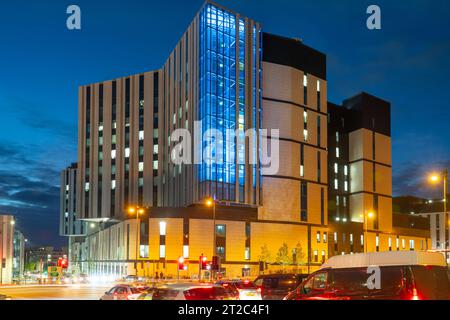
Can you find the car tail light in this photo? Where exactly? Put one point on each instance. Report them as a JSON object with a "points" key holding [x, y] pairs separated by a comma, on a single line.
{"points": [[415, 294]]}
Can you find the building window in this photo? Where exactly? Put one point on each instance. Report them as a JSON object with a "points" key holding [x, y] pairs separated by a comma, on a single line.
{"points": [[346, 185], [337, 152], [113, 154], [397, 243], [377, 243], [336, 168], [390, 243], [162, 228], [305, 89], [411, 245], [155, 165], [113, 184], [304, 201], [162, 251], [323, 256], [316, 256], [141, 166], [318, 236], [346, 170], [127, 152], [141, 135], [403, 244], [324, 237], [336, 184], [186, 251]]}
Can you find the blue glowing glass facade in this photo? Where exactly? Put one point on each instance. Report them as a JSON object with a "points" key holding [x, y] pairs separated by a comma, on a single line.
{"points": [[229, 99]]}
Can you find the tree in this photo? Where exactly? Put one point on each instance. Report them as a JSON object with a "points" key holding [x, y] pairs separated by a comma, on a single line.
{"points": [[298, 254], [265, 255], [283, 256]]}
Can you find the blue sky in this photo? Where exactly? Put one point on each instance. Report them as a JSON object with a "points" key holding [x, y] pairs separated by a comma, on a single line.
{"points": [[42, 64]]}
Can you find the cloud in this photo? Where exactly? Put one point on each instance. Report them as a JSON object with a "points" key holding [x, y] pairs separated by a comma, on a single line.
{"points": [[411, 179]]}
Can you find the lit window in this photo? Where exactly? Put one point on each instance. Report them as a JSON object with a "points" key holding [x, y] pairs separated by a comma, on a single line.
{"points": [[377, 241], [155, 165], [86, 186], [141, 182], [344, 201], [114, 125], [335, 168], [247, 253], [318, 236], [345, 185], [337, 152], [337, 136], [411, 244], [336, 184], [113, 139], [397, 243], [174, 118], [66, 214], [337, 200], [141, 166], [302, 171], [141, 135], [113, 154], [100, 128], [324, 237], [390, 243], [305, 80], [155, 133], [305, 135], [362, 240], [346, 170], [318, 85], [113, 184], [351, 238], [155, 149], [186, 252], [67, 187], [305, 116], [335, 237], [162, 251], [162, 228], [403, 244], [127, 152]]}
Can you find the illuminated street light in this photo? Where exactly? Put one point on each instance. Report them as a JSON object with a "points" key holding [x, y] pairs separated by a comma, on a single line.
{"points": [[366, 216], [435, 178], [138, 211]]}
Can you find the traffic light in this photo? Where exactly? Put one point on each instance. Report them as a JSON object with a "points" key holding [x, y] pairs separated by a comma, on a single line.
{"points": [[181, 265], [215, 265], [203, 262], [63, 263]]}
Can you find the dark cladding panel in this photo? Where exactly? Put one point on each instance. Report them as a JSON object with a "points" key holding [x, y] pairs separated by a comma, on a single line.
{"points": [[369, 112], [294, 53]]}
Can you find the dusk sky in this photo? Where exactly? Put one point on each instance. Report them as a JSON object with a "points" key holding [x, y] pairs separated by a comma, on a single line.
{"points": [[42, 64]]}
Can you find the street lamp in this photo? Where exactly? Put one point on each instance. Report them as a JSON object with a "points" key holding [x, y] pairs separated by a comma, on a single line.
{"points": [[211, 203], [136, 211], [435, 178], [366, 216]]}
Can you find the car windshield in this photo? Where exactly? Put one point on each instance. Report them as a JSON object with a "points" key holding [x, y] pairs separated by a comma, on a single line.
{"points": [[207, 293], [135, 290], [245, 285]]}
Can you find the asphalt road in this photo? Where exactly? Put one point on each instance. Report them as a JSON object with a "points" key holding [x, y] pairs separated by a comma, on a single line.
{"points": [[65, 292]]}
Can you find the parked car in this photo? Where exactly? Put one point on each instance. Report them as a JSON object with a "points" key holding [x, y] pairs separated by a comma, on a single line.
{"points": [[277, 286], [403, 275], [148, 295], [124, 292], [243, 289], [191, 291]]}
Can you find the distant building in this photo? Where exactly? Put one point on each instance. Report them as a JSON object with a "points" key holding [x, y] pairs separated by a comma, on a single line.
{"points": [[43, 257], [6, 248]]}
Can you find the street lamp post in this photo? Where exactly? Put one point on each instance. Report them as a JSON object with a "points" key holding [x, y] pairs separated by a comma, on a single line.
{"points": [[138, 211], [435, 178], [210, 202]]}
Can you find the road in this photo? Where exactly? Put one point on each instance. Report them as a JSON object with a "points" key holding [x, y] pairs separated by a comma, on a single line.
{"points": [[54, 292]]}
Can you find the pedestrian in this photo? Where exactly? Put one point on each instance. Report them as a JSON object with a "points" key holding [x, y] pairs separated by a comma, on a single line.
{"points": [[161, 275], [156, 277]]}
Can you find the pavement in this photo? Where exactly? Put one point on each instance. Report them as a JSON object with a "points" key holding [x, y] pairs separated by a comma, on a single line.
{"points": [[56, 292]]}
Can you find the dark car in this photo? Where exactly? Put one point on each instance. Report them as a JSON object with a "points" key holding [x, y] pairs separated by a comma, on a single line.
{"points": [[402, 276], [277, 286], [191, 291]]}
